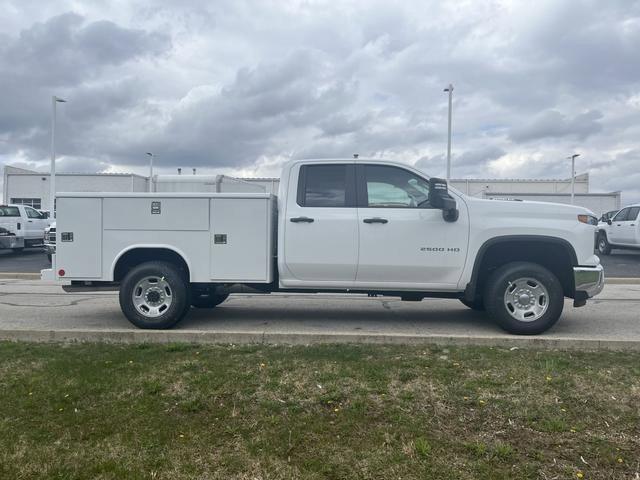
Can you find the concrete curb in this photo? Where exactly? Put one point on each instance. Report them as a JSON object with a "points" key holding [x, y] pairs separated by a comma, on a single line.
{"points": [[298, 338]]}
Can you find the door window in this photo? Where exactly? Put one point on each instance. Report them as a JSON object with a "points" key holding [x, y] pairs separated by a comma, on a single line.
{"points": [[633, 213], [31, 213], [621, 216], [325, 186], [394, 187]]}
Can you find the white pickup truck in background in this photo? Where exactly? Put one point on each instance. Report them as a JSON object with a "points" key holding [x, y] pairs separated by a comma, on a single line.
{"points": [[621, 230], [350, 226], [21, 226]]}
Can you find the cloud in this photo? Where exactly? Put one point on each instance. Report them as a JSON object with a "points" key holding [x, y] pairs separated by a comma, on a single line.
{"points": [[554, 124], [242, 86]]}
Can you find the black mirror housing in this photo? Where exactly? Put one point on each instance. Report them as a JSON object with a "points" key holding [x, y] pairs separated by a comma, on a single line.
{"points": [[439, 198], [609, 221]]}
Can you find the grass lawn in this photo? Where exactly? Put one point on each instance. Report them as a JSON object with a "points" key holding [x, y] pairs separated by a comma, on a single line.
{"points": [[260, 412]]}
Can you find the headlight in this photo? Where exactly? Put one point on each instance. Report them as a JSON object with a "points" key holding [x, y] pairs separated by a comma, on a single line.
{"points": [[588, 219]]}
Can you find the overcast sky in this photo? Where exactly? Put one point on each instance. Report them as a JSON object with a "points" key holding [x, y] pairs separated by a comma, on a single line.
{"points": [[238, 87]]}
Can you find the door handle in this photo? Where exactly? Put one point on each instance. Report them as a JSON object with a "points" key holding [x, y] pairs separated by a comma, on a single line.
{"points": [[375, 220], [632, 225], [301, 220], [30, 221]]}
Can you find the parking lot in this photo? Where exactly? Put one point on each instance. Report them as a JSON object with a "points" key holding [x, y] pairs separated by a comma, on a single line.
{"points": [[620, 264]]}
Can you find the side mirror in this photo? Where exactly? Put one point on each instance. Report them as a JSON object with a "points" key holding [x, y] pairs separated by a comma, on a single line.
{"points": [[439, 198], [609, 221]]}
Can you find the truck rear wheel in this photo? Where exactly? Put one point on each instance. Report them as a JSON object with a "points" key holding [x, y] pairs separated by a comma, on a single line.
{"points": [[206, 298], [154, 295], [524, 298]]}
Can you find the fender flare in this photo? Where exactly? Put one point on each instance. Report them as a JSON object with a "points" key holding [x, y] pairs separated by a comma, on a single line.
{"points": [[470, 291], [148, 246]]}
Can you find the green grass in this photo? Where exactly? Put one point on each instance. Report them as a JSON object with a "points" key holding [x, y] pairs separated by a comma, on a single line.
{"points": [[260, 412]]}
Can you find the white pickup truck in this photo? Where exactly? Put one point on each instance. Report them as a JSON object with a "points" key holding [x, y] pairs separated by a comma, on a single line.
{"points": [[621, 230], [21, 226], [351, 226]]}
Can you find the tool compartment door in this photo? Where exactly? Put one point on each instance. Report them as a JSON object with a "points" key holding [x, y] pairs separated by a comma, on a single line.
{"points": [[241, 240], [79, 237]]}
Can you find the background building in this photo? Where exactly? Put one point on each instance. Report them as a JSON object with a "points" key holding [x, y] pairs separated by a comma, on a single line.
{"points": [[32, 188]]}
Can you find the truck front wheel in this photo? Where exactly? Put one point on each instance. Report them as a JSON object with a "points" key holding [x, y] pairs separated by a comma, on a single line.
{"points": [[524, 298], [604, 247], [154, 295]]}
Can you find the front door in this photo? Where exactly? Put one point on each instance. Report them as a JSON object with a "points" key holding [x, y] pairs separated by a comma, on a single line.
{"points": [[618, 226], [628, 229], [321, 228], [404, 243]]}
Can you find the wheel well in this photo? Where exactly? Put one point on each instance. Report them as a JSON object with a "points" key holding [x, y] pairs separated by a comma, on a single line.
{"points": [[136, 256], [556, 256]]}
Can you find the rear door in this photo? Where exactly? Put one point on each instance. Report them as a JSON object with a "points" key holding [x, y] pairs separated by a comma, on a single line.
{"points": [[404, 242], [321, 228]]}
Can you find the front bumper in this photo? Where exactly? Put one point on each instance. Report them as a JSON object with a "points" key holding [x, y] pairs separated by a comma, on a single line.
{"points": [[589, 282], [50, 248]]}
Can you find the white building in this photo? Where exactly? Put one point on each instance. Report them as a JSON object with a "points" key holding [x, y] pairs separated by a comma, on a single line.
{"points": [[32, 188]]}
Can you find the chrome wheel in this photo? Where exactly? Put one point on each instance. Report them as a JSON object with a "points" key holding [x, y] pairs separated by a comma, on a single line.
{"points": [[526, 299], [152, 296], [602, 245]]}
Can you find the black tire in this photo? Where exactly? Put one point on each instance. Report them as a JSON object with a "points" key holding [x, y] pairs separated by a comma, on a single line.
{"points": [[178, 290], [49, 257], [207, 299], [514, 274], [604, 247], [477, 305]]}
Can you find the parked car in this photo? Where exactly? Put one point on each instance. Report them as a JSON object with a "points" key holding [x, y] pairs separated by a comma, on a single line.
{"points": [[622, 231], [352, 226], [24, 227], [50, 240]]}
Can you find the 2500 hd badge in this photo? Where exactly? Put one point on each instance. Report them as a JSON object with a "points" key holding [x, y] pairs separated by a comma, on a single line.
{"points": [[440, 249]]}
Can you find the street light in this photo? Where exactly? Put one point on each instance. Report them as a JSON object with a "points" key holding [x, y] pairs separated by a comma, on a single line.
{"points": [[150, 171], [450, 90], [573, 174], [52, 177]]}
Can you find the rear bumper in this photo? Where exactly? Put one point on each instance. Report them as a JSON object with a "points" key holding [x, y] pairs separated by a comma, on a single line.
{"points": [[589, 282]]}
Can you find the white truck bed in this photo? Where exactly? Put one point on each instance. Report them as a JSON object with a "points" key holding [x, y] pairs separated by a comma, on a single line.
{"points": [[228, 237]]}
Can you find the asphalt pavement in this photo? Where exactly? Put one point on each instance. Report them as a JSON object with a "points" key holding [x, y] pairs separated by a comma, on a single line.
{"points": [[620, 264], [39, 311]]}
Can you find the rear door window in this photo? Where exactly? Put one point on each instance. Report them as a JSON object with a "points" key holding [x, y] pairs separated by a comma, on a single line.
{"points": [[9, 212], [330, 185]]}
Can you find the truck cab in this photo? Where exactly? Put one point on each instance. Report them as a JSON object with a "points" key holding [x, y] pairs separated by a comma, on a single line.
{"points": [[354, 226]]}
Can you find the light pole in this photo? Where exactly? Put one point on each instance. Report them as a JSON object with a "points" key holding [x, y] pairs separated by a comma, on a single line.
{"points": [[450, 90], [52, 177], [573, 174], [150, 171]]}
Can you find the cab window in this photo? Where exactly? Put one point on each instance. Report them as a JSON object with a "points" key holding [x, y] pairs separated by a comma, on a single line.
{"points": [[329, 185], [394, 187], [621, 216]]}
